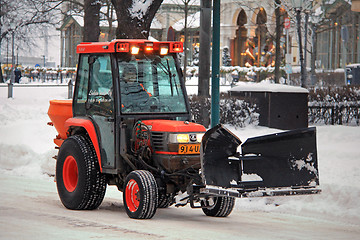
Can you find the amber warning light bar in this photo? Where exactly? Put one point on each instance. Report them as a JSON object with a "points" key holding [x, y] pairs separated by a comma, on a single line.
{"points": [[149, 47], [133, 46]]}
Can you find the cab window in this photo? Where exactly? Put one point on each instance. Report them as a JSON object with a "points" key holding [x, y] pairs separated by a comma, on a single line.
{"points": [[100, 92], [150, 84], [81, 88]]}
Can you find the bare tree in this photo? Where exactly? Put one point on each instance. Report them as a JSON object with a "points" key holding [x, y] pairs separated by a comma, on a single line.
{"points": [[135, 17], [185, 5], [91, 20], [20, 15], [19, 18], [107, 14], [97, 11]]}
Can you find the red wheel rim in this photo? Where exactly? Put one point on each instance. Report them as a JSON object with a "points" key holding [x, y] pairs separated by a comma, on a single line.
{"points": [[70, 173], [132, 195]]}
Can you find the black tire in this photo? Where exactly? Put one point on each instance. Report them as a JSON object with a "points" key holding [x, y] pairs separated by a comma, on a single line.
{"points": [[165, 200], [80, 184], [221, 207], [140, 195]]}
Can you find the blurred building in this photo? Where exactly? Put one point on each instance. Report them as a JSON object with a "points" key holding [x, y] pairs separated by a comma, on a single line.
{"points": [[338, 33], [169, 16], [247, 29]]}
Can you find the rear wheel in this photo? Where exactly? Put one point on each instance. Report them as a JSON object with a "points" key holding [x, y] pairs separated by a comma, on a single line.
{"points": [[219, 206], [140, 195], [79, 181]]}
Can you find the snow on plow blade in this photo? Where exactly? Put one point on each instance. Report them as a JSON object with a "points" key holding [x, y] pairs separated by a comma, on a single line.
{"points": [[278, 164]]}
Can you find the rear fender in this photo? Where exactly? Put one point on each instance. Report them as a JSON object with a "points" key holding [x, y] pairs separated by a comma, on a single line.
{"points": [[89, 127]]}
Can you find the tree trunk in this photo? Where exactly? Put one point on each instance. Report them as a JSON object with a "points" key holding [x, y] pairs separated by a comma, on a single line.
{"points": [[277, 40], [204, 59], [205, 48], [135, 17], [91, 20]]}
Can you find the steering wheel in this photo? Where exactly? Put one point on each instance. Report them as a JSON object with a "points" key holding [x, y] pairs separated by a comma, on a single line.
{"points": [[154, 101]]}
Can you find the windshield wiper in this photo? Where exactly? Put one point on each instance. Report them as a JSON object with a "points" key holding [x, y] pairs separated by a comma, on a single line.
{"points": [[170, 76]]}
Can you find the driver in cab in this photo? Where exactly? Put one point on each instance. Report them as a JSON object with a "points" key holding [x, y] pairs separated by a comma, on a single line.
{"points": [[133, 92]]}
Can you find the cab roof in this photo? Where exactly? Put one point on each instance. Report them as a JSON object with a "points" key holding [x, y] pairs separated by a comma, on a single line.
{"points": [[124, 45]]}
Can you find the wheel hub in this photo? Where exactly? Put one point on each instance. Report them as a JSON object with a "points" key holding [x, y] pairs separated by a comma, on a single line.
{"points": [[132, 195], [70, 173]]}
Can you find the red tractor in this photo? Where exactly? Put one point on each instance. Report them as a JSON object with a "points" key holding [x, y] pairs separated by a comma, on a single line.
{"points": [[129, 125]]}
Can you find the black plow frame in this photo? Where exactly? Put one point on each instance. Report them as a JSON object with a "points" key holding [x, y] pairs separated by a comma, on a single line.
{"points": [[277, 164]]}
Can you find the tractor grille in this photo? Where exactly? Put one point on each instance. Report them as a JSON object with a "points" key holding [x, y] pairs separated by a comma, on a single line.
{"points": [[158, 140]]}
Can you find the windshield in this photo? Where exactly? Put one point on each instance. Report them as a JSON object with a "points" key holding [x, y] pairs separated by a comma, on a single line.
{"points": [[150, 84]]}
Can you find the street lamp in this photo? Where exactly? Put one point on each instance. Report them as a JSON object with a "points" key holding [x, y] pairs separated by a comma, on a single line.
{"points": [[12, 73], [298, 5]]}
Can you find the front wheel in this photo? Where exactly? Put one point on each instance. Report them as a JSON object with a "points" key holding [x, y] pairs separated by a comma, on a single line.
{"points": [[219, 206], [140, 195]]}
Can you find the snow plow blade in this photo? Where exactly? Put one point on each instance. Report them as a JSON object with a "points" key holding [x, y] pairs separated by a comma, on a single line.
{"points": [[277, 164]]}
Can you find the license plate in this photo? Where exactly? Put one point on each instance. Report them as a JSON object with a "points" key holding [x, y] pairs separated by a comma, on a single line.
{"points": [[189, 149]]}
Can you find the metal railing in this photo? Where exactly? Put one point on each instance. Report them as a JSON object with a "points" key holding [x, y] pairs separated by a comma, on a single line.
{"points": [[11, 86], [335, 113]]}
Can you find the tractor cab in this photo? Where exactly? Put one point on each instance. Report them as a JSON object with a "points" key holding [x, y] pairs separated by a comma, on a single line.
{"points": [[138, 78]]}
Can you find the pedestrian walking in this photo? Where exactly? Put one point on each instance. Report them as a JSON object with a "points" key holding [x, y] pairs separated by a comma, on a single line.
{"points": [[17, 75]]}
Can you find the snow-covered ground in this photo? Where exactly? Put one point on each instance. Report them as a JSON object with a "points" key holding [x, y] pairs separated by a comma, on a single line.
{"points": [[30, 208]]}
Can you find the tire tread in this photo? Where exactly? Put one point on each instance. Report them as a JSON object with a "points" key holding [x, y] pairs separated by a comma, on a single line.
{"points": [[150, 194], [222, 208], [95, 181]]}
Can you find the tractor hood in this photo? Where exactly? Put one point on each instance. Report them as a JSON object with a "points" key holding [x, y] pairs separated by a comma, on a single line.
{"points": [[157, 125]]}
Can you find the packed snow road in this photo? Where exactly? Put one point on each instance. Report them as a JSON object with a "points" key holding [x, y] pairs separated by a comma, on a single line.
{"points": [[31, 209]]}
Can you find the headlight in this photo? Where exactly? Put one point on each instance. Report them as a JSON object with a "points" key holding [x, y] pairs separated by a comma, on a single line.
{"points": [[185, 137], [182, 138], [179, 138]]}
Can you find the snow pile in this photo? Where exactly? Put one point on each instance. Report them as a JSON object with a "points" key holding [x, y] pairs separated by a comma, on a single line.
{"points": [[26, 149], [267, 87], [26, 142]]}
